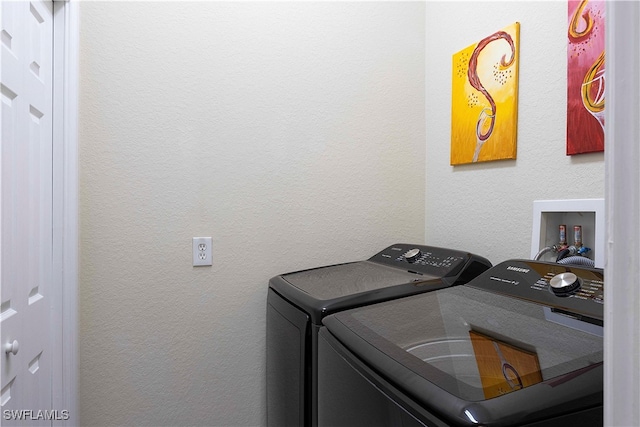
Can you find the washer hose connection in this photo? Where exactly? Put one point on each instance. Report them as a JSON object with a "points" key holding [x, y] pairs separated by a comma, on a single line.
{"points": [[574, 254]]}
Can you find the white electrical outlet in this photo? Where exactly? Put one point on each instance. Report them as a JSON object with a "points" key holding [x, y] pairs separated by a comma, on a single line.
{"points": [[202, 251]]}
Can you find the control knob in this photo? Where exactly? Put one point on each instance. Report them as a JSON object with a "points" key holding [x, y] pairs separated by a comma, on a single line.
{"points": [[564, 283], [412, 255]]}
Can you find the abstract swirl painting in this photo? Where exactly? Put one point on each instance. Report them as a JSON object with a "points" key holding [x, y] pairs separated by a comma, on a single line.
{"points": [[585, 76], [484, 100]]}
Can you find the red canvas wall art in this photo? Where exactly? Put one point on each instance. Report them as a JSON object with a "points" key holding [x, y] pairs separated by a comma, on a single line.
{"points": [[585, 76]]}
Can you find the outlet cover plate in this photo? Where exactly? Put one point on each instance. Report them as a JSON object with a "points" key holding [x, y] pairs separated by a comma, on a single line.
{"points": [[202, 251]]}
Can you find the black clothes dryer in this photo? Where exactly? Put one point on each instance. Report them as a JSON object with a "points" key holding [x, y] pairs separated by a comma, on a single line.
{"points": [[297, 302], [520, 345]]}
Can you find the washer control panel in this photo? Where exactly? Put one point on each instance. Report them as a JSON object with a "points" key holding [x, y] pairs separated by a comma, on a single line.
{"points": [[565, 287], [428, 260]]}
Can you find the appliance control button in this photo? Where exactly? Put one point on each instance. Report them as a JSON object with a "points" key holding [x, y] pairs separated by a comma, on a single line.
{"points": [[412, 255], [564, 283]]}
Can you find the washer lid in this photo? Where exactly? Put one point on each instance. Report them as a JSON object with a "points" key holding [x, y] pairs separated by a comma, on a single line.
{"points": [[325, 290], [336, 281], [465, 349]]}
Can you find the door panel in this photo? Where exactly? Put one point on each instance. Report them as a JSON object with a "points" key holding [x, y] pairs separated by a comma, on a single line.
{"points": [[26, 207]]}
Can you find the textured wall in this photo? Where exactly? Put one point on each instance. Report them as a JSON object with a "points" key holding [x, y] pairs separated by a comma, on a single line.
{"points": [[292, 133], [488, 207]]}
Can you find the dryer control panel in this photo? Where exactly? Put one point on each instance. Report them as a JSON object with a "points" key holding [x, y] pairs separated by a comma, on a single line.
{"points": [[565, 288], [430, 260]]}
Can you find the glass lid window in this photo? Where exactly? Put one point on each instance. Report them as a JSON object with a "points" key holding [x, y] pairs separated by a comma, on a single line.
{"points": [[348, 279], [483, 344]]}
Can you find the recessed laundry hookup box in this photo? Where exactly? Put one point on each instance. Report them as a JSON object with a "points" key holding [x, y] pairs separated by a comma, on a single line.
{"points": [[549, 215]]}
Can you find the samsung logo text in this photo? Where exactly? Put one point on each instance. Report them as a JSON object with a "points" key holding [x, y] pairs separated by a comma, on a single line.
{"points": [[518, 269]]}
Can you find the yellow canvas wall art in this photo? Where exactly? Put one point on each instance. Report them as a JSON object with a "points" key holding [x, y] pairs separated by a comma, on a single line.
{"points": [[484, 100]]}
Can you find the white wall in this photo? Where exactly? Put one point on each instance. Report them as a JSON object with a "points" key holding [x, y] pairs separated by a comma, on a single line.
{"points": [[292, 133], [487, 207]]}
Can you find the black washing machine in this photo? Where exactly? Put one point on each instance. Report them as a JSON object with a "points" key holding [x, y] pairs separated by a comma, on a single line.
{"points": [[520, 345], [297, 302]]}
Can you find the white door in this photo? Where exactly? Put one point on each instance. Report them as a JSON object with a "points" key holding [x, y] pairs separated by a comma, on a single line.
{"points": [[26, 212]]}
